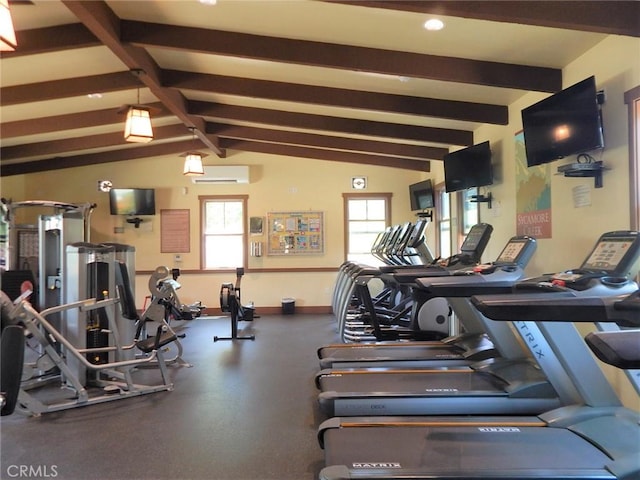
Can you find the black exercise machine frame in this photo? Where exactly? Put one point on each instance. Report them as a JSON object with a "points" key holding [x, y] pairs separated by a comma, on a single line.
{"points": [[234, 307]]}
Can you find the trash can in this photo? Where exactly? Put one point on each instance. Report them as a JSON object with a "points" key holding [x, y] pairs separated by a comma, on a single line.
{"points": [[288, 306], [248, 312]]}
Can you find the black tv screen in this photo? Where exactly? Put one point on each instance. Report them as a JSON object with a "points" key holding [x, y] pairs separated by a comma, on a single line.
{"points": [[421, 195], [132, 201], [566, 123], [467, 168]]}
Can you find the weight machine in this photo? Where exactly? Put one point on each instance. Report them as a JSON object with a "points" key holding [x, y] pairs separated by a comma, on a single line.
{"points": [[88, 356], [84, 382], [33, 238]]}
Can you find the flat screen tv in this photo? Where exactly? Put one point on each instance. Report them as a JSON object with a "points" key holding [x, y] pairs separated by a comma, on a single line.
{"points": [[467, 168], [566, 123], [421, 195], [132, 201]]}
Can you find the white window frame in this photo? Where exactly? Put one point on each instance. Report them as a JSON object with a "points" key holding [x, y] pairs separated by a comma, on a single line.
{"points": [[468, 214], [203, 235], [443, 216], [632, 99], [347, 197]]}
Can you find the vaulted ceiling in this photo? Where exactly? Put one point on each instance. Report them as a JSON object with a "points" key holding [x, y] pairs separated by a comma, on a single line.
{"points": [[347, 81]]}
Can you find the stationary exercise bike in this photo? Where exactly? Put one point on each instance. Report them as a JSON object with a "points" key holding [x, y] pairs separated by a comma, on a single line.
{"points": [[230, 303]]}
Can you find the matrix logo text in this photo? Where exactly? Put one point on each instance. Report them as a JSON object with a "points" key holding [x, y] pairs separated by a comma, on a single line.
{"points": [[376, 465], [32, 471]]}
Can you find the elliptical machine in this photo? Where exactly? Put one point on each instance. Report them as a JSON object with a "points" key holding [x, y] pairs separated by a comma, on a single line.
{"points": [[230, 303]]}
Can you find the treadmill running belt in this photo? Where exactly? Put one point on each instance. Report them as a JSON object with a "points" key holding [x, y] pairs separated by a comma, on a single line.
{"points": [[480, 452]]}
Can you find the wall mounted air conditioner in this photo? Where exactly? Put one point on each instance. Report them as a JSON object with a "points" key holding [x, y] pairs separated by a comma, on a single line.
{"points": [[223, 174]]}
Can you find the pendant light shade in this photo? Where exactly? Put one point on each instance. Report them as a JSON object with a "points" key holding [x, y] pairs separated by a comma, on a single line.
{"points": [[7, 33], [138, 125], [193, 164], [193, 159]]}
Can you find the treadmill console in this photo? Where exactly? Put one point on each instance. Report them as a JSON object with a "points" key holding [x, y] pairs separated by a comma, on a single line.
{"points": [[397, 250], [518, 251], [516, 254], [470, 253], [417, 235], [489, 278], [411, 249], [615, 253], [612, 261], [473, 246]]}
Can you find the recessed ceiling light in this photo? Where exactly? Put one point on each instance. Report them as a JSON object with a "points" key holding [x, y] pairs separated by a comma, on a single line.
{"points": [[434, 24], [94, 95], [208, 2]]}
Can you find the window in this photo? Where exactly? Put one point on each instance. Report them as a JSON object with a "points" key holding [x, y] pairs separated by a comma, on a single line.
{"points": [[443, 207], [224, 233], [632, 99], [468, 215], [366, 215]]}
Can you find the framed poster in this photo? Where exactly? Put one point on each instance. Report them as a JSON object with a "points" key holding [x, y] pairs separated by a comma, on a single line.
{"points": [[295, 233], [533, 195]]}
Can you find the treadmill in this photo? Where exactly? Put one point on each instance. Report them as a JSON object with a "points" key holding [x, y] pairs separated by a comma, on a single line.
{"points": [[524, 385], [595, 439], [383, 250], [401, 278], [471, 346]]}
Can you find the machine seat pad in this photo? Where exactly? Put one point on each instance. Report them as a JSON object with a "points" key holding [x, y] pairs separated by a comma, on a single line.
{"points": [[152, 343]]}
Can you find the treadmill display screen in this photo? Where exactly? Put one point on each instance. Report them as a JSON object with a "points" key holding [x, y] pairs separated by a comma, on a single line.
{"points": [[417, 233], [478, 233], [472, 240], [608, 254], [510, 252]]}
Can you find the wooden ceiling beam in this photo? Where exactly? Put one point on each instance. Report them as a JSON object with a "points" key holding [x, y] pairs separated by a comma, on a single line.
{"points": [[398, 150], [610, 17], [53, 39], [338, 97], [70, 87], [113, 139], [352, 58], [329, 155], [84, 160], [332, 124], [169, 148], [71, 121], [105, 25]]}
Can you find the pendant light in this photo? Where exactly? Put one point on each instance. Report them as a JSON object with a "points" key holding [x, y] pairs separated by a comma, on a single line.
{"points": [[193, 160], [137, 127], [8, 41]]}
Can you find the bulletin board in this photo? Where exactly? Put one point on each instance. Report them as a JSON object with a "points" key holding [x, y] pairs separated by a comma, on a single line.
{"points": [[295, 233]]}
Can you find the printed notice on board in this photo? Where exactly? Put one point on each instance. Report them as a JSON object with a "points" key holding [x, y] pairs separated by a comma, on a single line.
{"points": [[581, 196], [295, 233]]}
